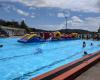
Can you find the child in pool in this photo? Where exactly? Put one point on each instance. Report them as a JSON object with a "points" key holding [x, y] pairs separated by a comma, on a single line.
{"points": [[84, 44], [1, 46], [91, 44]]}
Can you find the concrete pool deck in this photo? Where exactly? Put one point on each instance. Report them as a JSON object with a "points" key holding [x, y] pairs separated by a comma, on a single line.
{"points": [[72, 70], [92, 74]]}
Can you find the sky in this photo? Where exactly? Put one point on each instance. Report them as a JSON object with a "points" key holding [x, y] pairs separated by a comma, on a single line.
{"points": [[50, 14]]}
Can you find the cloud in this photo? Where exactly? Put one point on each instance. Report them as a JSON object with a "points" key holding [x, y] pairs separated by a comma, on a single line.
{"points": [[90, 23], [32, 8], [49, 27], [32, 16], [23, 19], [50, 14], [98, 4], [76, 19], [79, 5], [22, 12], [60, 15]]}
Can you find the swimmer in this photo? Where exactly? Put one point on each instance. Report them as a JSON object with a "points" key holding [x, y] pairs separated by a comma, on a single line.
{"points": [[91, 44], [84, 44], [85, 53], [1, 46], [38, 50]]}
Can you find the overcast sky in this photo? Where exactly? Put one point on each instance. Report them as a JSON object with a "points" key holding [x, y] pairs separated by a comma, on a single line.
{"points": [[49, 14]]}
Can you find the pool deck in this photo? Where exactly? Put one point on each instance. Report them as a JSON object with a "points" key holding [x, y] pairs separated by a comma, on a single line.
{"points": [[74, 69], [92, 74]]}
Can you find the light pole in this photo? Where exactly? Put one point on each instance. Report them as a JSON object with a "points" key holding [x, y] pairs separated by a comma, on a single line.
{"points": [[99, 28], [66, 18], [66, 15]]}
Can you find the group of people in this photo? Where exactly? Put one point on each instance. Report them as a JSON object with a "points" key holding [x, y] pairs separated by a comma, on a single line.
{"points": [[84, 45]]}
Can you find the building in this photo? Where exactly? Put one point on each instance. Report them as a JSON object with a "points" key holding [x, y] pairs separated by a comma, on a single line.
{"points": [[13, 31]]}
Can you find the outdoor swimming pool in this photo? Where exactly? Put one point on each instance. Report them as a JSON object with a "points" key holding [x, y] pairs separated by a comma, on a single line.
{"points": [[20, 61]]}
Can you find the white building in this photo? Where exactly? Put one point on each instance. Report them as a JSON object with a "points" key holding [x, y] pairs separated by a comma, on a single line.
{"points": [[13, 31]]}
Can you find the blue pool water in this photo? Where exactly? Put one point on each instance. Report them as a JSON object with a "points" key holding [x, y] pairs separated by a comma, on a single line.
{"points": [[20, 61]]}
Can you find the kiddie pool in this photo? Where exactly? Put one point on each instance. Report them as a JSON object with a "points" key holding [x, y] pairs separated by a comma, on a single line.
{"points": [[19, 61]]}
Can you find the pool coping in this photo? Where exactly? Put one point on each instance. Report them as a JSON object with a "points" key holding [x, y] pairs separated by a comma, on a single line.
{"points": [[72, 70]]}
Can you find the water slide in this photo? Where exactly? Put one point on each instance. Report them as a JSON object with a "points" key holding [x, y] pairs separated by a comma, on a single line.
{"points": [[27, 38], [57, 36]]}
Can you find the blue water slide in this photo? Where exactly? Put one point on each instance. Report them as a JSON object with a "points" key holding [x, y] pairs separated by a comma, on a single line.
{"points": [[34, 39]]}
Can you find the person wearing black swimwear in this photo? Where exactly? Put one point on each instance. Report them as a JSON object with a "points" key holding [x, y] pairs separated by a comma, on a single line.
{"points": [[1, 46], [84, 44]]}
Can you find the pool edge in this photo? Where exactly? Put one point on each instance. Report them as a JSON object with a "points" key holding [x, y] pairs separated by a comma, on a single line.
{"points": [[68, 73]]}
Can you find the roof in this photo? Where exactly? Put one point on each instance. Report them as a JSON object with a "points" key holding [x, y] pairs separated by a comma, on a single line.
{"points": [[4, 27]]}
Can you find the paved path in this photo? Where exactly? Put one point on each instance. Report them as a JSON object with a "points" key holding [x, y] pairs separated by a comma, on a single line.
{"points": [[92, 74]]}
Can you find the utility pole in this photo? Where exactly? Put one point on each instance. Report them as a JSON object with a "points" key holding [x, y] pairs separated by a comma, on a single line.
{"points": [[99, 28], [66, 18], [66, 15]]}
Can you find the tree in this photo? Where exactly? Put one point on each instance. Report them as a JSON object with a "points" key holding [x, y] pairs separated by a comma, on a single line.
{"points": [[2, 22], [23, 25]]}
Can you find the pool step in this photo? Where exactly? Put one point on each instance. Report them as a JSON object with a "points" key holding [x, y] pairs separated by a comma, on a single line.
{"points": [[72, 70]]}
